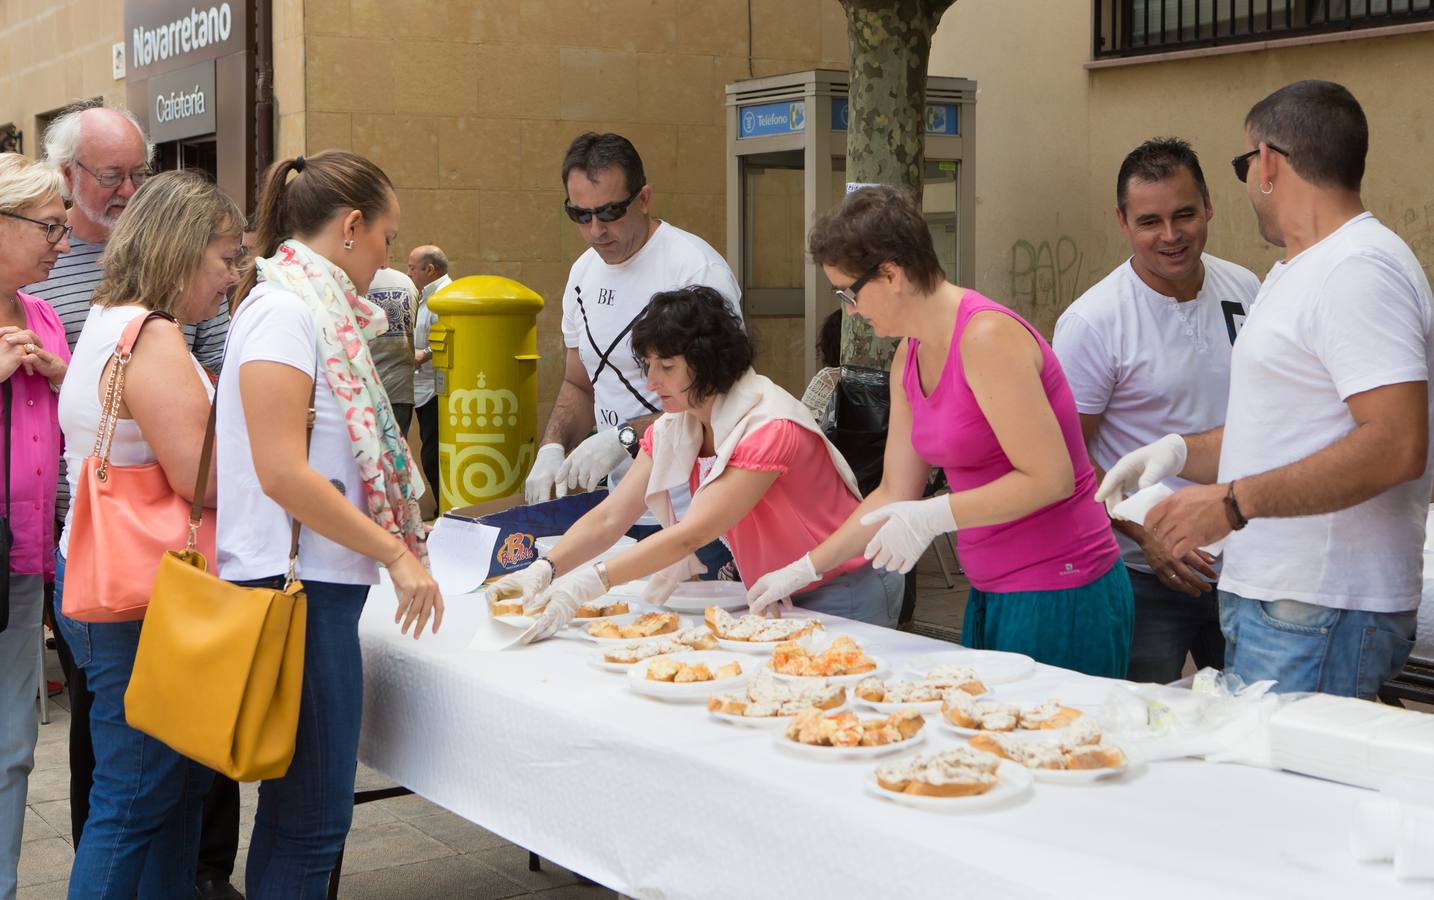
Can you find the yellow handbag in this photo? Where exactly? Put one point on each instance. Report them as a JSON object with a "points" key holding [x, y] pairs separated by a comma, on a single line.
{"points": [[219, 669]]}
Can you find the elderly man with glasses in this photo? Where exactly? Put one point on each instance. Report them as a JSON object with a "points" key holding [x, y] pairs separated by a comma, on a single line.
{"points": [[104, 158], [631, 256]]}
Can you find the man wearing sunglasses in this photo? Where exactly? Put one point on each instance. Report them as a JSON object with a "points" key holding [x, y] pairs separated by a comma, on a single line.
{"points": [[1320, 477], [104, 157], [1147, 352], [630, 257]]}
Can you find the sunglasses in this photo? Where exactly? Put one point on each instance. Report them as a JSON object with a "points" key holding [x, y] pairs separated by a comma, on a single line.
{"points": [[848, 294], [1241, 163], [54, 231], [608, 212]]}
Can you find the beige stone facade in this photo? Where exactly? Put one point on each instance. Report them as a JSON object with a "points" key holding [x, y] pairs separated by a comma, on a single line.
{"points": [[53, 52], [1054, 131]]}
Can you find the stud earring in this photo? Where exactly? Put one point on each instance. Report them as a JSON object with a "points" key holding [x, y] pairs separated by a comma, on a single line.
{"points": [[348, 245]]}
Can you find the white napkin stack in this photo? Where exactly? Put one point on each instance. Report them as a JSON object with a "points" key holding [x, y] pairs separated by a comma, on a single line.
{"points": [[1352, 741]]}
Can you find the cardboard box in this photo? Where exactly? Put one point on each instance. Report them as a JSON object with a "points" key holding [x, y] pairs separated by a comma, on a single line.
{"points": [[520, 526]]}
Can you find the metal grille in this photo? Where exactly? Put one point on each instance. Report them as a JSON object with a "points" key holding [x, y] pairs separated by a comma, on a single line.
{"points": [[1137, 27]]}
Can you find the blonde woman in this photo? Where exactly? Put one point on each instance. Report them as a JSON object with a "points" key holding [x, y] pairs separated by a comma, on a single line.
{"points": [[33, 358], [175, 251]]}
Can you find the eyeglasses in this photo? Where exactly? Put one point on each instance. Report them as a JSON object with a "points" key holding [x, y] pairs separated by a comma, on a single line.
{"points": [[847, 295], [54, 231], [113, 179], [1241, 163], [608, 212]]}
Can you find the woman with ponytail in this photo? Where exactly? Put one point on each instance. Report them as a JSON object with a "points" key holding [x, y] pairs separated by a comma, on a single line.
{"points": [[300, 332]]}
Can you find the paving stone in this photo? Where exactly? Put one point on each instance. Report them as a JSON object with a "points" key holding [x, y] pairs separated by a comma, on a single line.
{"points": [[389, 844], [36, 828], [453, 876], [511, 861], [45, 860], [457, 832]]}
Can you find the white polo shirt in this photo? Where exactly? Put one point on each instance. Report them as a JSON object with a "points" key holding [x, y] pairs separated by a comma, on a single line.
{"points": [[1149, 364], [1350, 314]]}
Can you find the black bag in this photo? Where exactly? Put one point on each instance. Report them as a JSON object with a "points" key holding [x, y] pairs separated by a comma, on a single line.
{"points": [[858, 429], [6, 536]]}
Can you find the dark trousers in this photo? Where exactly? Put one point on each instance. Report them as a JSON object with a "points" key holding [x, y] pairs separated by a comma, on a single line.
{"points": [[219, 834], [1169, 624], [403, 414], [82, 752], [428, 434]]}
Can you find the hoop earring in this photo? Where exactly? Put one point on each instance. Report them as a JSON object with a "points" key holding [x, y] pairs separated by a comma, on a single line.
{"points": [[1263, 185], [348, 245]]}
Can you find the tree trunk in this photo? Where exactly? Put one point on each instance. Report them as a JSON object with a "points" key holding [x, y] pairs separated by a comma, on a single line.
{"points": [[890, 45]]}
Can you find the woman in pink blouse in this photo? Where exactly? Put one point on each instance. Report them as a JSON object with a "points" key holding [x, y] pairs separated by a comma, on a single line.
{"points": [[33, 359], [763, 479]]}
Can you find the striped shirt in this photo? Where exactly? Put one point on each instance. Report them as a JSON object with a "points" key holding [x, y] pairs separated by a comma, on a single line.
{"points": [[69, 289]]}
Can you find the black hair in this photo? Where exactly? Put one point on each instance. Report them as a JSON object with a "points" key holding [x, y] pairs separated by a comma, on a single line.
{"points": [[829, 340], [593, 152], [696, 323], [1156, 160], [1320, 126]]}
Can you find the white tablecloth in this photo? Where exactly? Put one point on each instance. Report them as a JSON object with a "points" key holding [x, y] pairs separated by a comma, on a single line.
{"points": [[659, 800]]}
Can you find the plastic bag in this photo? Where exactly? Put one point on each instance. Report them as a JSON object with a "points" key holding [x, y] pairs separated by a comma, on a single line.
{"points": [[862, 406]]}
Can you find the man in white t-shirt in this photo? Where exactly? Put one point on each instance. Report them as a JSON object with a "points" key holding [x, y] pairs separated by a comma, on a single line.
{"points": [[1321, 474], [1147, 352], [630, 257], [428, 267]]}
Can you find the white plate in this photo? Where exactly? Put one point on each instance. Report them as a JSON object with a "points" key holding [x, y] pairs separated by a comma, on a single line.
{"points": [[546, 544], [768, 722], [1013, 781], [808, 641], [1024, 733], [992, 666], [925, 707], [698, 690], [815, 751], [633, 607], [696, 596], [833, 679], [1084, 776], [628, 620]]}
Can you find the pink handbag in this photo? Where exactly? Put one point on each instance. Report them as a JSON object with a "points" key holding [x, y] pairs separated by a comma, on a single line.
{"points": [[122, 518]]}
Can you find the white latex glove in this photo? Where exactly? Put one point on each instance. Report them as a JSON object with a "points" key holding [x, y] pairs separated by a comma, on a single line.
{"points": [[661, 585], [525, 584], [1139, 469], [591, 461], [539, 486], [561, 600], [780, 585], [911, 526]]}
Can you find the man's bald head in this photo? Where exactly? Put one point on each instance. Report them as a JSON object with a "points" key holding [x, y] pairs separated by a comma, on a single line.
{"points": [[426, 264], [91, 144]]}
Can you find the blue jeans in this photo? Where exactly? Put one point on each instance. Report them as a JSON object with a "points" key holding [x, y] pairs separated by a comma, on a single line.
{"points": [[865, 595], [1169, 624], [1305, 647], [19, 724], [714, 555], [303, 818], [142, 836]]}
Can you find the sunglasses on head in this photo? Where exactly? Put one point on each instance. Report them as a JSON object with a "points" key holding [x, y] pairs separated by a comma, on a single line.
{"points": [[1241, 163], [608, 212]]}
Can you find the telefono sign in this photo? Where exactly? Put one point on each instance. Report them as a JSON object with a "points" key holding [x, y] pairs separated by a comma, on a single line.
{"points": [[164, 35]]}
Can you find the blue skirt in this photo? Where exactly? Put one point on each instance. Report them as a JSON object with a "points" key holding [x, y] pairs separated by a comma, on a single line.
{"points": [[1086, 628]]}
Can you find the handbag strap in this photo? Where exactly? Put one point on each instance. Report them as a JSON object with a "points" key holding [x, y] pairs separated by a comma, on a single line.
{"points": [[9, 396], [114, 388], [206, 459]]}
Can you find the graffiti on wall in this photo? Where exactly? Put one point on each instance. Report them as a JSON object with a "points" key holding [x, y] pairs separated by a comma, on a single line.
{"points": [[1045, 278]]}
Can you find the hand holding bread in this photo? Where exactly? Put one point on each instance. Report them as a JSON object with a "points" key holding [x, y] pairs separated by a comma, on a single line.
{"points": [[561, 600]]}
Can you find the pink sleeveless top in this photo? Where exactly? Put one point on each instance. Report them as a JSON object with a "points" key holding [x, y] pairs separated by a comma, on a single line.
{"points": [[1065, 545]]}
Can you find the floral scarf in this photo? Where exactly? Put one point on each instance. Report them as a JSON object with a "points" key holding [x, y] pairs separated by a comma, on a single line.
{"points": [[345, 324]]}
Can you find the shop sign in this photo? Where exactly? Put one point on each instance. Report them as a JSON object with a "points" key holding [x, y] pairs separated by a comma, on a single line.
{"points": [[766, 119], [163, 35], [941, 118], [182, 104]]}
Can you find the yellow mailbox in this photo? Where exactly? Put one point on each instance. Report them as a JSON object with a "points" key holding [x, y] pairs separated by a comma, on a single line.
{"points": [[485, 357]]}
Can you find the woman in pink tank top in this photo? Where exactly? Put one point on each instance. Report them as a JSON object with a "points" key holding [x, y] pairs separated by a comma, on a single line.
{"points": [[977, 391]]}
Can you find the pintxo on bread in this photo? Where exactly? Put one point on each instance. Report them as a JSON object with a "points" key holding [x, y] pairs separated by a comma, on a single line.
{"points": [[843, 657], [1082, 747], [682, 641], [954, 773], [961, 710], [601, 608], [765, 697], [757, 629], [818, 728], [644, 626], [677, 672], [932, 686]]}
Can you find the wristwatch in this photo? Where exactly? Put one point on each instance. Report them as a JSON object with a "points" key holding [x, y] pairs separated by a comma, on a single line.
{"points": [[627, 436]]}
